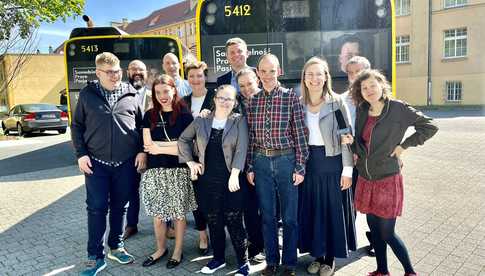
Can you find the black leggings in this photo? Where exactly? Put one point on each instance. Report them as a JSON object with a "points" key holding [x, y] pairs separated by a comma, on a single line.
{"points": [[234, 222], [382, 233]]}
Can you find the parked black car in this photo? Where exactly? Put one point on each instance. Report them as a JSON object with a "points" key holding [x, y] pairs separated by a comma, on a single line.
{"points": [[27, 118]]}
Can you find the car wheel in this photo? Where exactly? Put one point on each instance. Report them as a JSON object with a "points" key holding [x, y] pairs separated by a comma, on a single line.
{"points": [[61, 131], [5, 130], [20, 130]]}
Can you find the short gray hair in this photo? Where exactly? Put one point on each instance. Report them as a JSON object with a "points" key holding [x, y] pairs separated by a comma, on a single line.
{"points": [[359, 60]]}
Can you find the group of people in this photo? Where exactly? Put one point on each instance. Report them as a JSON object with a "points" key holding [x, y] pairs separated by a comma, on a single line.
{"points": [[251, 156]]}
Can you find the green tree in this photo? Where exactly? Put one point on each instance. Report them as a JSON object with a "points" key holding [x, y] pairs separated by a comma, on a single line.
{"points": [[23, 16]]}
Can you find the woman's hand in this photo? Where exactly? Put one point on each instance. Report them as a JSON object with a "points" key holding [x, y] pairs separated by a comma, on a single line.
{"points": [[195, 169], [345, 182], [397, 152], [347, 139], [233, 183], [153, 149]]}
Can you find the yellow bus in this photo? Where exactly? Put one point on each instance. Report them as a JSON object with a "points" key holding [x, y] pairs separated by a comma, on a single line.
{"points": [[295, 30]]}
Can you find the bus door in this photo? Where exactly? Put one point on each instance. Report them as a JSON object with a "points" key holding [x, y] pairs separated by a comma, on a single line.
{"points": [[295, 30], [80, 54]]}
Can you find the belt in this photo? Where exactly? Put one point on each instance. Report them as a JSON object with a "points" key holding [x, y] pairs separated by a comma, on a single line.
{"points": [[274, 152]]}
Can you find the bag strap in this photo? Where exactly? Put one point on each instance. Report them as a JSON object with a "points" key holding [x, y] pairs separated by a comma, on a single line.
{"points": [[340, 119]]}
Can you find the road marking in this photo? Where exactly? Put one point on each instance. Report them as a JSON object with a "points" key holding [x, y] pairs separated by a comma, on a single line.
{"points": [[21, 142]]}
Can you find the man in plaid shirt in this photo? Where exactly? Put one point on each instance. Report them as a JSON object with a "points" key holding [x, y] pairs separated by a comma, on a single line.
{"points": [[276, 161]]}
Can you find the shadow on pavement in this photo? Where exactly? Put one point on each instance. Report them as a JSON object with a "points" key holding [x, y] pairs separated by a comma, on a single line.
{"points": [[55, 156]]}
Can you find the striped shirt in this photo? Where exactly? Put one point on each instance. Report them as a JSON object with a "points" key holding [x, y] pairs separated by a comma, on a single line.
{"points": [[276, 121]]}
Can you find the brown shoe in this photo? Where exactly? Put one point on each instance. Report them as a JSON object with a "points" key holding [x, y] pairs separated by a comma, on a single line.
{"points": [[270, 270], [130, 231]]}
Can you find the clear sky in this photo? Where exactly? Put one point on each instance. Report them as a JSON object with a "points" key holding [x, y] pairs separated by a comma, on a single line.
{"points": [[102, 12]]}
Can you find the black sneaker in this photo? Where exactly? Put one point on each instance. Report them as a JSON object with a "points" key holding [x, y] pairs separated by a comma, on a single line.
{"points": [[270, 270]]}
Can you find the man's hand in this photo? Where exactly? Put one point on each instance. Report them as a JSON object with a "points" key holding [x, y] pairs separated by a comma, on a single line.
{"points": [[84, 164], [250, 177], [141, 162], [297, 179]]}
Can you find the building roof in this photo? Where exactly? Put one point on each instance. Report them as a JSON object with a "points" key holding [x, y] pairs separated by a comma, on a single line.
{"points": [[162, 17]]}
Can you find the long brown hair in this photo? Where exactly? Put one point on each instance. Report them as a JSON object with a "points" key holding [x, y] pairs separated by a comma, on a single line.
{"points": [[177, 103]]}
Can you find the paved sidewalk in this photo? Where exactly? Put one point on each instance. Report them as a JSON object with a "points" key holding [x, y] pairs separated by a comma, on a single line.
{"points": [[43, 217]]}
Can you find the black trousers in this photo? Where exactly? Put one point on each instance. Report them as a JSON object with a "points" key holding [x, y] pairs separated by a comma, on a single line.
{"points": [[252, 219]]}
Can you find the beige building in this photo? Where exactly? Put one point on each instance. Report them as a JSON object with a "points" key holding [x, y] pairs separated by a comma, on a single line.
{"points": [[40, 80], [176, 20], [439, 52]]}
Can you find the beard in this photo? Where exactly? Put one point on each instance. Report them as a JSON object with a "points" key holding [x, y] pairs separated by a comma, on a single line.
{"points": [[137, 83]]}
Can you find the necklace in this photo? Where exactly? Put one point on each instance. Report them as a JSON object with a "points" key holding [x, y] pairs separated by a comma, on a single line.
{"points": [[163, 126]]}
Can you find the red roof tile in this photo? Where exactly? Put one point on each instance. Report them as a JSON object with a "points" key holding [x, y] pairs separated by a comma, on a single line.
{"points": [[168, 15]]}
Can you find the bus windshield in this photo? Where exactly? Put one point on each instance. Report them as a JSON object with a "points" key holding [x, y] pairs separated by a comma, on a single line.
{"points": [[80, 54], [295, 30]]}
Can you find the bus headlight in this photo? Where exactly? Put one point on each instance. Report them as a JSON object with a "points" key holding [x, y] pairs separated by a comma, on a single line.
{"points": [[210, 20], [211, 8]]}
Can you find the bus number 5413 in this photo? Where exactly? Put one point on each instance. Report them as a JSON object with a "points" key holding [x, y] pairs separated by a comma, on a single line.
{"points": [[238, 10]]}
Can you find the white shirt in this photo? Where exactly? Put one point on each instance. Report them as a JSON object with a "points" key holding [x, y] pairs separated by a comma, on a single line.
{"points": [[349, 103], [196, 105], [219, 124], [315, 138]]}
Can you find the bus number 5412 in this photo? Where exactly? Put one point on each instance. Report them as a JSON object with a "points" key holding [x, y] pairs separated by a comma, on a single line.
{"points": [[238, 10]]}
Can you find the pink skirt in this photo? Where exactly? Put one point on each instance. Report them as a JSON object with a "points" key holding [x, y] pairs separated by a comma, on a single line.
{"points": [[383, 197]]}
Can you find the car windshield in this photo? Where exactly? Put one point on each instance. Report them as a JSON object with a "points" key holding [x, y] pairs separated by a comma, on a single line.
{"points": [[38, 107]]}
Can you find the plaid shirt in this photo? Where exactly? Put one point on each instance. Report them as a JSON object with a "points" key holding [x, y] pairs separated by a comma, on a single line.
{"points": [[276, 121], [111, 96]]}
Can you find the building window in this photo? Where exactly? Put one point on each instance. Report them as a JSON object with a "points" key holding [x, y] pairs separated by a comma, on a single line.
{"points": [[453, 91], [403, 7], [455, 3], [455, 43], [402, 49]]}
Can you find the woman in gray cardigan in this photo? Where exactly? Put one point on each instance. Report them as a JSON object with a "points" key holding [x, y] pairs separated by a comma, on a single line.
{"points": [[326, 216], [221, 142]]}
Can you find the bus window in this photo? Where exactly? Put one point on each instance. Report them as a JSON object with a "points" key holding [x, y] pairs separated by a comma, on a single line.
{"points": [[295, 30], [81, 52]]}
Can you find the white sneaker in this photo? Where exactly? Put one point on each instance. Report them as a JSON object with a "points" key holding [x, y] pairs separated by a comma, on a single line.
{"points": [[313, 268], [326, 270]]}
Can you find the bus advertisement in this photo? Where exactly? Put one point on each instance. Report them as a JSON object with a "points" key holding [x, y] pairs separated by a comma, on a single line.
{"points": [[295, 30], [80, 54]]}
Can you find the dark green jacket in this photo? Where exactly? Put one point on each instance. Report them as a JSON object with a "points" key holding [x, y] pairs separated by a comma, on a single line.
{"points": [[388, 133]]}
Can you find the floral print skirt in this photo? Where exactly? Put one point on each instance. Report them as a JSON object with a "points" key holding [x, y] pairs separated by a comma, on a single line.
{"points": [[167, 193]]}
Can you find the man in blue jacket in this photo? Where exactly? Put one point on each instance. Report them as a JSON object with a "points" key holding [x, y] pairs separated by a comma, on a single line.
{"points": [[108, 144], [237, 56]]}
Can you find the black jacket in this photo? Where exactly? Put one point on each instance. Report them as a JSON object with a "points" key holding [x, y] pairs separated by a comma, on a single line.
{"points": [[208, 101], [108, 134], [388, 133]]}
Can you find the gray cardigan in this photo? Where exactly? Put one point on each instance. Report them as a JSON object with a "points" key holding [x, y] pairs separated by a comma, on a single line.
{"points": [[329, 127], [234, 140]]}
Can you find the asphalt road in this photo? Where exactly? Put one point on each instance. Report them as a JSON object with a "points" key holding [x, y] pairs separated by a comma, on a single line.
{"points": [[39, 151]]}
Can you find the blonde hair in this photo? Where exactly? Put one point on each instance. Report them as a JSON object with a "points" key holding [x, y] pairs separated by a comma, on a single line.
{"points": [[107, 58], [327, 87], [196, 65], [236, 41], [270, 57]]}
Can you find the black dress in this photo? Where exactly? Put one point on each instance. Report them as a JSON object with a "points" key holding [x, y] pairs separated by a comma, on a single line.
{"points": [[212, 190]]}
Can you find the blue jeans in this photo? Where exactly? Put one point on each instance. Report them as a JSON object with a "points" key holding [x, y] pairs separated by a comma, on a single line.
{"points": [[107, 188], [274, 176]]}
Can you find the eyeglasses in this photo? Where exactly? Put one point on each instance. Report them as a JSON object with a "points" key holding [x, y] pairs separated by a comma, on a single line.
{"points": [[312, 75], [224, 99], [111, 73]]}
